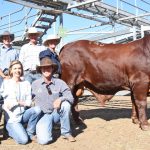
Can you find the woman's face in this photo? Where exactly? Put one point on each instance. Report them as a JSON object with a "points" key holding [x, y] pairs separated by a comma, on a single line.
{"points": [[52, 44], [16, 70]]}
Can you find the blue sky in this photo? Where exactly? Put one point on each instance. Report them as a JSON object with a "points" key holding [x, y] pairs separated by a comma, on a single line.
{"points": [[70, 22]]}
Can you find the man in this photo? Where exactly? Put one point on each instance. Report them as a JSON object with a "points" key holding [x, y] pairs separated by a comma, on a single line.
{"points": [[29, 54], [54, 98], [51, 42], [7, 53]]}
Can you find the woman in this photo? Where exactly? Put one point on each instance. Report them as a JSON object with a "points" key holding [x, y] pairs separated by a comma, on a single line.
{"points": [[17, 100], [51, 42]]}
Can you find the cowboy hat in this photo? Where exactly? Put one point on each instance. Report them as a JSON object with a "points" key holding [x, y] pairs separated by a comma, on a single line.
{"points": [[6, 33], [52, 37], [46, 61], [33, 30]]}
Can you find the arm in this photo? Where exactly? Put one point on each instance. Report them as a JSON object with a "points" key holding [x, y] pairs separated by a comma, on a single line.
{"points": [[8, 102], [21, 55], [3, 75], [66, 95], [27, 95]]}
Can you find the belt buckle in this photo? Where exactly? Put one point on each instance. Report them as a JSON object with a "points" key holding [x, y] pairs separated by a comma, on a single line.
{"points": [[33, 71]]}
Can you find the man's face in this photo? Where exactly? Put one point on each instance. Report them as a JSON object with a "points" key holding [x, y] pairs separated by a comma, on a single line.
{"points": [[6, 39], [47, 71], [33, 37]]}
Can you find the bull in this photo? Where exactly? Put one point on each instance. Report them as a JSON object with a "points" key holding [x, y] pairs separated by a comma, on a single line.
{"points": [[109, 68]]}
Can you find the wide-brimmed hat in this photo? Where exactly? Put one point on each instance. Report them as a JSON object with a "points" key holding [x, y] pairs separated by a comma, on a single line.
{"points": [[51, 38], [6, 33], [46, 61], [33, 30]]}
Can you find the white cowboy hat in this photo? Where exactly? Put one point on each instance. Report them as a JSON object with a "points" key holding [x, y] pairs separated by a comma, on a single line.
{"points": [[51, 38], [33, 30]]}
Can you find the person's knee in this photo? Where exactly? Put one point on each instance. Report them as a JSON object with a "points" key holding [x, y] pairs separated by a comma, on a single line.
{"points": [[43, 138], [66, 106], [43, 141], [23, 140], [37, 110]]}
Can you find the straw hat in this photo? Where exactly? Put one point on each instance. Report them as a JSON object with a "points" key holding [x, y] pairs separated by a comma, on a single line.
{"points": [[6, 33], [33, 30], [51, 38], [46, 61]]}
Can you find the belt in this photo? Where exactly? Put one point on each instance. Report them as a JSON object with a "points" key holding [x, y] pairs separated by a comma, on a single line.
{"points": [[31, 71]]}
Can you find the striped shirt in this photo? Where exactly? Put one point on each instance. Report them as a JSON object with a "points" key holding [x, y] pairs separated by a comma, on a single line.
{"points": [[29, 56]]}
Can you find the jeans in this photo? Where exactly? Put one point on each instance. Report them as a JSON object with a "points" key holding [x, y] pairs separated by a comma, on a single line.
{"points": [[31, 76], [17, 131], [45, 124]]}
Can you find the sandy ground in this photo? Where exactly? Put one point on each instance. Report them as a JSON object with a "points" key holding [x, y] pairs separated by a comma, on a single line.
{"points": [[108, 128]]}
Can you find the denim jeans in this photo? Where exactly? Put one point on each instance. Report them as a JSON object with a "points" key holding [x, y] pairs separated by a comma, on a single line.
{"points": [[45, 124], [31, 76], [17, 131]]}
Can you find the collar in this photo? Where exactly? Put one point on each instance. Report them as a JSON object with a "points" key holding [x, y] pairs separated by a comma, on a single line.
{"points": [[4, 47], [52, 81], [50, 50], [35, 44]]}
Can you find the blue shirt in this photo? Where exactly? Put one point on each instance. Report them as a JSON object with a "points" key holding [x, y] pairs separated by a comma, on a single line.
{"points": [[52, 56], [58, 88], [6, 56]]}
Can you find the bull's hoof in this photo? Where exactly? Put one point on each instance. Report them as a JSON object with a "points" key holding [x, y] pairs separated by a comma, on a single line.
{"points": [[135, 121], [79, 121], [102, 103], [145, 127]]}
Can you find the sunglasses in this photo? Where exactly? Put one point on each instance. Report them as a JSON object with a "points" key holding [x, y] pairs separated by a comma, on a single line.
{"points": [[48, 90]]}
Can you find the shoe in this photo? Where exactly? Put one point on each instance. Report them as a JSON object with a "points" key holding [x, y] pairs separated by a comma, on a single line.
{"points": [[70, 138], [34, 138]]}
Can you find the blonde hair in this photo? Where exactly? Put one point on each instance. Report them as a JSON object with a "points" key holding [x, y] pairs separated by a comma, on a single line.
{"points": [[14, 62]]}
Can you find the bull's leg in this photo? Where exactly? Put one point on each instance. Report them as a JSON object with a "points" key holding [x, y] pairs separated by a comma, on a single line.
{"points": [[134, 115], [101, 98], [75, 112], [140, 94], [77, 91]]}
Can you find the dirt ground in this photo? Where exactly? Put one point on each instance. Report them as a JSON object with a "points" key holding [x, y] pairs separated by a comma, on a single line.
{"points": [[108, 128]]}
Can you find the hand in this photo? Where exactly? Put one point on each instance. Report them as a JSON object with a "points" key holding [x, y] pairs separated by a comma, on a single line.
{"points": [[6, 77], [21, 103], [57, 103], [10, 104]]}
